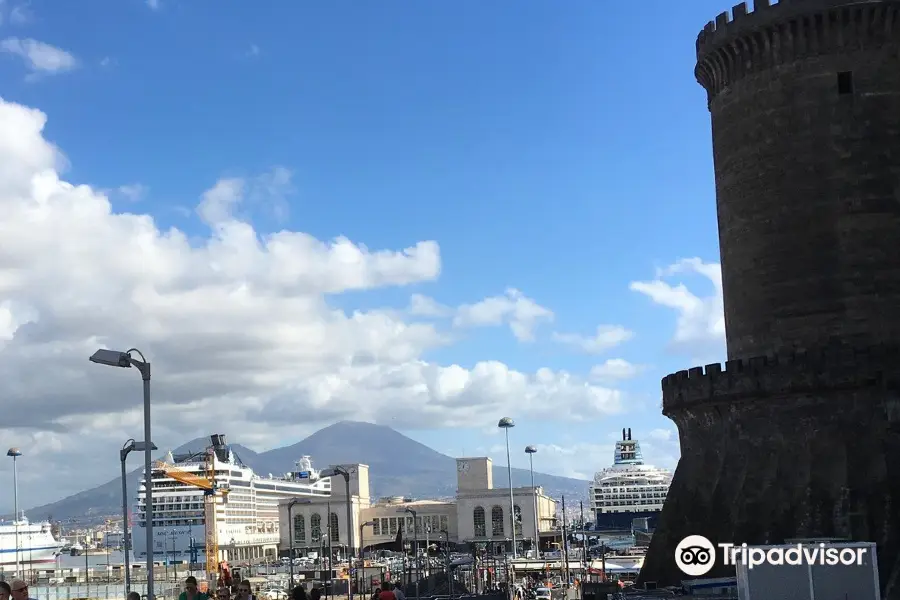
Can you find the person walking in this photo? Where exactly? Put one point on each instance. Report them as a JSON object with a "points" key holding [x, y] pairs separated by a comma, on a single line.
{"points": [[191, 591], [386, 592], [398, 592], [298, 593], [19, 590]]}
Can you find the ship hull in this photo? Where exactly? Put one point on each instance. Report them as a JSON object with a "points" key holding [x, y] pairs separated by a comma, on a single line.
{"points": [[36, 544], [622, 521]]}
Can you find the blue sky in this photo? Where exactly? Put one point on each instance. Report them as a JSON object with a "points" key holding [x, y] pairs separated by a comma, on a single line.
{"points": [[558, 148]]}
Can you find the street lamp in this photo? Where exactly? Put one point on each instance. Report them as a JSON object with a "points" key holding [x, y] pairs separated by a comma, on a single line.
{"points": [[362, 550], [506, 424], [291, 504], [449, 566], [129, 446], [16, 453], [114, 358], [531, 451], [415, 543], [342, 472]]}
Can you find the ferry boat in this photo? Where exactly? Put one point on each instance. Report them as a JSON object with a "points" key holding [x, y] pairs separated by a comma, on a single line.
{"points": [[629, 489], [248, 518], [36, 542]]}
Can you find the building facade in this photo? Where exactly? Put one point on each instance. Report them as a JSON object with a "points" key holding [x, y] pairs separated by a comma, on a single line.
{"points": [[479, 514], [483, 511]]}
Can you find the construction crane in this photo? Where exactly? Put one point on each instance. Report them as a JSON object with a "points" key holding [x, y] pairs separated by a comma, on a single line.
{"points": [[211, 492]]}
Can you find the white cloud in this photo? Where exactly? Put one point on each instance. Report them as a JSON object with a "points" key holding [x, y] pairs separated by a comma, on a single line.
{"points": [[221, 202], [581, 460], [238, 327], [423, 306], [614, 369], [700, 326], [521, 313], [606, 337], [154, 4], [40, 58], [134, 191]]}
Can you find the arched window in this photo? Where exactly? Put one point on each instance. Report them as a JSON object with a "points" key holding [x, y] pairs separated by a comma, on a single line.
{"points": [[333, 531], [315, 528], [479, 521], [299, 528], [518, 519], [497, 522]]}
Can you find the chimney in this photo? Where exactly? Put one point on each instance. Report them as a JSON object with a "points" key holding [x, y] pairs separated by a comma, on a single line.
{"points": [[623, 435], [219, 446], [629, 434]]}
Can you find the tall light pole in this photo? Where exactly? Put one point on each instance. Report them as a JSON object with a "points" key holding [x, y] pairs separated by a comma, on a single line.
{"points": [[415, 544], [127, 449], [16, 453], [345, 473], [362, 560], [291, 505], [506, 424], [114, 358], [531, 451]]}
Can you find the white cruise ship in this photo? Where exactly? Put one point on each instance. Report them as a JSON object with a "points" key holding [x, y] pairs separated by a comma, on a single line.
{"points": [[249, 518], [36, 543], [628, 489]]}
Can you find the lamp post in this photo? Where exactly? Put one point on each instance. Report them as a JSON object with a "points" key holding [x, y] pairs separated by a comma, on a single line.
{"points": [[15, 453], [531, 451], [415, 544], [127, 449], [449, 566], [506, 424], [113, 358], [345, 473], [362, 550], [291, 505]]}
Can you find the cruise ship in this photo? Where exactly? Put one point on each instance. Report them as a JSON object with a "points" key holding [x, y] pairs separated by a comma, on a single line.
{"points": [[36, 543], [629, 489], [249, 518]]}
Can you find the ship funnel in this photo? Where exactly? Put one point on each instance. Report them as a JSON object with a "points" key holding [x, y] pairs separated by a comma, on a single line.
{"points": [[219, 446], [629, 434], [623, 435]]}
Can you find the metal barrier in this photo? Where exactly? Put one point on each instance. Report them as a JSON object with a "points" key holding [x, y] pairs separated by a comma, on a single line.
{"points": [[102, 591]]}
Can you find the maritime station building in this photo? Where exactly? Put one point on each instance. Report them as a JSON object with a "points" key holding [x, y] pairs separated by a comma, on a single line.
{"points": [[479, 515]]}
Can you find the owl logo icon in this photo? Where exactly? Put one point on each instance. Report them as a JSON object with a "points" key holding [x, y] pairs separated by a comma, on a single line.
{"points": [[695, 555]]}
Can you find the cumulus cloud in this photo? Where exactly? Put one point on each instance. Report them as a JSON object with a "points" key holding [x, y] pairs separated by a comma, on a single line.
{"points": [[614, 369], [521, 313], [700, 325], [605, 338], [238, 327], [40, 58]]}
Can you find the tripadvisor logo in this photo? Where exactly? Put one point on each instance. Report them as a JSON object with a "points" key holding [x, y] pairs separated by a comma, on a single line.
{"points": [[695, 555]]}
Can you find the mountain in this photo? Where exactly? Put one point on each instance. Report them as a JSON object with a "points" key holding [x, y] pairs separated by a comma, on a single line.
{"points": [[399, 466]]}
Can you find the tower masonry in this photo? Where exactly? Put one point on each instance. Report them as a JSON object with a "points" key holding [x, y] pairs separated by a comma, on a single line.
{"points": [[798, 434]]}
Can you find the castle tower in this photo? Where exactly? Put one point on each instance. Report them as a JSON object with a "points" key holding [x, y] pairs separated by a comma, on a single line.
{"points": [[797, 435]]}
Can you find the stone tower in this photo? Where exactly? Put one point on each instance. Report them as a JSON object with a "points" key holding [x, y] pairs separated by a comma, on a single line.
{"points": [[798, 434]]}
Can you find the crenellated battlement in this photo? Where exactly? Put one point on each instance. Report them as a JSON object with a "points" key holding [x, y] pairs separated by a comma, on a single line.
{"points": [[763, 376], [742, 41]]}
